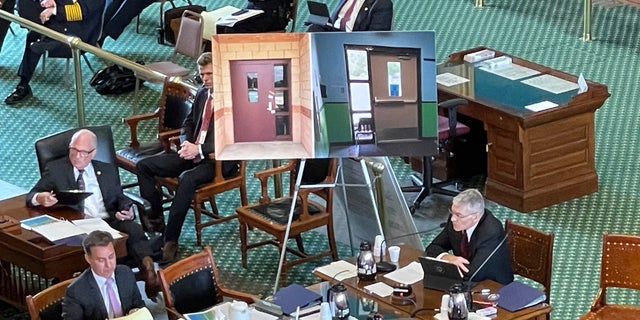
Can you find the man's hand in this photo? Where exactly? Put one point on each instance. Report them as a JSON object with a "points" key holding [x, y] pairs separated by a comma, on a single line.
{"points": [[458, 261], [48, 3], [46, 199], [189, 151], [123, 215], [46, 14]]}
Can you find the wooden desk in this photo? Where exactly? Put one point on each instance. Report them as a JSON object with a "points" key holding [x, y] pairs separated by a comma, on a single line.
{"points": [[30, 261], [534, 159], [428, 298]]}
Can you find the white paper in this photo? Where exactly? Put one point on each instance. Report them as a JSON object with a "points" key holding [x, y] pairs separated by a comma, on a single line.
{"points": [[92, 224], [408, 275], [582, 84], [551, 83], [472, 316], [339, 270], [209, 19], [58, 230], [512, 71], [230, 20], [223, 308], [380, 288], [541, 106], [449, 79]]}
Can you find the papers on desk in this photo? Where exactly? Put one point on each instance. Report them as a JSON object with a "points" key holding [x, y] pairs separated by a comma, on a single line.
{"points": [[449, 79], [512, 71], [210, 18], [230, 20], [221, 312], [55, 229], [140, 314], [408, 274], [551, 83], [92, 224], [380, 288], [544, 105], [339, 270]]}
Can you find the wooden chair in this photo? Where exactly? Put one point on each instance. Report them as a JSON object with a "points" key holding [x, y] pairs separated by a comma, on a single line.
{"points": [[619, 269], [271, 215], [173, 107], [531, 253], [47, 304], [192, 284]]}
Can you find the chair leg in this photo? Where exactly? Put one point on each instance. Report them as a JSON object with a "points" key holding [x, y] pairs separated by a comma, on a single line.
{"points": [[332, 241], [299, 243], [243, 243], [197, 208], [426, 187]]}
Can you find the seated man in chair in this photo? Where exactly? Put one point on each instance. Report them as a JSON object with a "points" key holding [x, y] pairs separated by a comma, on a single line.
{"points": [[80, 171], [359, 15], [191, 164], [275, 17]]}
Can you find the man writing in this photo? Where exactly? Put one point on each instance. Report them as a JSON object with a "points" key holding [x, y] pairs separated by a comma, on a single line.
{"points": [[471, 234], [105, 289], [80, 171], [191, 164]]}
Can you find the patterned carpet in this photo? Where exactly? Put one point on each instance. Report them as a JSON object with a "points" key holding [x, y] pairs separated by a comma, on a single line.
{"points": [[543, 31]]}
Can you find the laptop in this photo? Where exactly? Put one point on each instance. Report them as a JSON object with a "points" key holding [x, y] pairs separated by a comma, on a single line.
{"points": [[318, 13], [440, 274]]}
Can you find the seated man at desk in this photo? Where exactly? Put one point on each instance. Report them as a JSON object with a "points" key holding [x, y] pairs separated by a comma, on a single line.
{"points": [[359, 15], [116, 284], [275, 17], [80, 171], [471, 234]]}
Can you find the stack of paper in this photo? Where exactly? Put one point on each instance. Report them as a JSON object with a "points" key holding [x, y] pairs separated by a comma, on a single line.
{"points": [[339, 270], [51, 228]]}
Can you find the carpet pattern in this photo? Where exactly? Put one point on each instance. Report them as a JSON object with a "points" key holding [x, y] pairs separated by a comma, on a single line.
{"points": [[543, 31]]}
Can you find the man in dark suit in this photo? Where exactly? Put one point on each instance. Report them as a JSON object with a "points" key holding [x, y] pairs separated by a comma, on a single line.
{"points": [[88, 296], [360, 15], [191, 164], [6, 5], [81, 18], [118, 14], [483, 233], [80, 171]]}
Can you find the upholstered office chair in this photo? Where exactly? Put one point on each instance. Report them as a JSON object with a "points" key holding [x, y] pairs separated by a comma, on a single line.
{"points": [[188, 43], [365, 132], [56, 146], [619, 269], [47, 304], [173, 107], [531, 253], [448, 129], [271, 215], [192, 284]]}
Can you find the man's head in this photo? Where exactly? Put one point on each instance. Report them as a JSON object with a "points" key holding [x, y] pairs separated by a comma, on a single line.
{"points": [[467, 209], [82, 148], [205, 68], [100, 253]]}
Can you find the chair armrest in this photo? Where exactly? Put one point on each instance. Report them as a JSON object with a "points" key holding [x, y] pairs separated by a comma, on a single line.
{"points": [[239, 295], [143, 205], [133, 121], [264, 175], [600, 300], [170, 137], [452, 113]]}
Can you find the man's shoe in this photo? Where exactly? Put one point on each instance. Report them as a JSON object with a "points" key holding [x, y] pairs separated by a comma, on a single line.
{"points": [[44, 45], [169, 251], [151, 284], [20, 93]]}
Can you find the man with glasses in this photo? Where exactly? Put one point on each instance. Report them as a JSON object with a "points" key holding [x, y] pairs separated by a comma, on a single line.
{"points": [[107, 201], [471, 235]]}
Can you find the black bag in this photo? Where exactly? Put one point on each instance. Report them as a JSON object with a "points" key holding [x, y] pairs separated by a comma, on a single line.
{"points": [[114, 80], [170, 33]]}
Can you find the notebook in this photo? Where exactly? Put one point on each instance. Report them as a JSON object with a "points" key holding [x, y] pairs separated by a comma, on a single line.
{"points": [[71, 197], [318, 13], [440, 274]]}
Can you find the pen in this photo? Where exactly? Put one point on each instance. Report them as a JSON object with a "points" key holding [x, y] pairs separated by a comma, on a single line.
{"points": [[297, 312]]}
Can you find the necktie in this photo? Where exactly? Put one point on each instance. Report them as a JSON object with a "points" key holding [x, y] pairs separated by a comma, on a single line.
{"points": [[347, 16], [204, 124], [81, 186], [113, 301], [464, 245]]}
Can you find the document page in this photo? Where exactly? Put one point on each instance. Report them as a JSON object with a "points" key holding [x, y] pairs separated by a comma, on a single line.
{"points": [[210, 18], [58, 230], [449, 79], [551, 83], [91, 224], [230, 20], [512, 71], [409, 274], [339, 270]]}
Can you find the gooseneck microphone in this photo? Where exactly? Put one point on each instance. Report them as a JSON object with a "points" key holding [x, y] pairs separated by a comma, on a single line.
{"points": [[384, 266], [487, 259]]}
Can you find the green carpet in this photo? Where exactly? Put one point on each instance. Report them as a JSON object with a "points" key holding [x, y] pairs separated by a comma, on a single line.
{"points": [[543, 31]]}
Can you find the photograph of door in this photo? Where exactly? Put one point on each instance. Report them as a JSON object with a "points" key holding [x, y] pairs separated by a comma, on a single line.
{"points": [[261, 99], [384, 89]]}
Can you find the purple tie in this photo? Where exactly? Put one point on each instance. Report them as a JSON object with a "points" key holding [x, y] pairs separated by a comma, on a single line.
{"points": [[113, 301]]}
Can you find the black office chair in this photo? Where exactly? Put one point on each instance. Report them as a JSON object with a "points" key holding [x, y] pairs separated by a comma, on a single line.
{"points": [[56, 146], [448, 129]]}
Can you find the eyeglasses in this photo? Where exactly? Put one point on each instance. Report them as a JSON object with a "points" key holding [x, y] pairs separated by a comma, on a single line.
{"points": [[460, 216], [83, 153]]}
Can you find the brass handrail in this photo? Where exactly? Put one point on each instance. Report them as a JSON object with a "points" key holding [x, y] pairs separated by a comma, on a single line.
{"points": [[77, 45]]}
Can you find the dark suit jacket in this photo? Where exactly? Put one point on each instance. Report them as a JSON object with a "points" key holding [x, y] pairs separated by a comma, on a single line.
{"points": [[58, 175], [83, 300], [374, 15], [486, 237]]}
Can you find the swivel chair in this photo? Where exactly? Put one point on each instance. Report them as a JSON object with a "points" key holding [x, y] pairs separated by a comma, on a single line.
{"points": [[448, 129], [47, 304]]}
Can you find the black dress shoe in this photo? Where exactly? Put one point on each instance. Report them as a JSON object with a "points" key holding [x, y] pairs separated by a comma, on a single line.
{"points": [[20, 93], [169, 252], [45, 44]]}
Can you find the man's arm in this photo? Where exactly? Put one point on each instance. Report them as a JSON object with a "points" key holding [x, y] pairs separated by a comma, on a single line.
{"points": [[440, 244]]}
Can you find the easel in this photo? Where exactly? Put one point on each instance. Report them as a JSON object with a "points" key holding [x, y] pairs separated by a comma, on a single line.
{"points": [[340, 177]]}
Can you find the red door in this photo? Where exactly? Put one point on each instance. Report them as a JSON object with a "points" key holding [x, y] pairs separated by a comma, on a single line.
{"points": [[260, 93]]}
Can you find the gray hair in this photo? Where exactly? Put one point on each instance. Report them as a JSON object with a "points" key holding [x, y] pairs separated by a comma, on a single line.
{"points": [[472, 199]]}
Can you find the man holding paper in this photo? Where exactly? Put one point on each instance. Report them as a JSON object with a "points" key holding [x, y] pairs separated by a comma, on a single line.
{"points": [[107, 201], [471, 235]]}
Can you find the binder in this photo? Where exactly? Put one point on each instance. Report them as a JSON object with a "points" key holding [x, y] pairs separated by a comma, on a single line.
{"points": [[518, 295], [295, 295]]}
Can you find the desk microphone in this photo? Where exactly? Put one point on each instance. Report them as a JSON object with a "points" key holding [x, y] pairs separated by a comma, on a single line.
{"points": [[384, 266]]}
